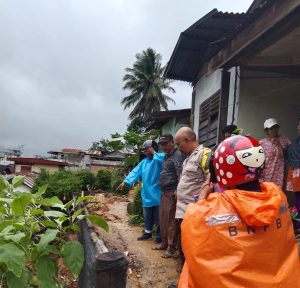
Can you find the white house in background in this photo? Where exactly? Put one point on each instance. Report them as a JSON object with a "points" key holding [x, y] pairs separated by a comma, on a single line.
{"points": [[76, 159], [93, 160], [23, 166], [244, 68]]}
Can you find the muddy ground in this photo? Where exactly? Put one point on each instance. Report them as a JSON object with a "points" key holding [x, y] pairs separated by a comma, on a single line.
{"points": [[146, 266]]}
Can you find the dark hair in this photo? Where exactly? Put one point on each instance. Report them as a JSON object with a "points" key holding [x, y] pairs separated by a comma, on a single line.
{"points": [[229, 129], [167, 136], [155, 146]]}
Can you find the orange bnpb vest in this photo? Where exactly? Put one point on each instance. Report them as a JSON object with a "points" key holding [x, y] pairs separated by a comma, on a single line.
{"points": [[240, 239]]}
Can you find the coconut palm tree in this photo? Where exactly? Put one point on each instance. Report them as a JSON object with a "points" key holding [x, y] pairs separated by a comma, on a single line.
{"points": [[146, 83]]}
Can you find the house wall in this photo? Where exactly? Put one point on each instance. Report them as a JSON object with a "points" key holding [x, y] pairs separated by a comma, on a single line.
{"points": [[38, 168], [205, 87], [269, 98], [18, 168], [172, 127]]}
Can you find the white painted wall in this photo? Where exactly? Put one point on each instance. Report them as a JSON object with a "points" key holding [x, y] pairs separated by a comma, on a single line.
{"points": [[205, 87], [269, 98]]}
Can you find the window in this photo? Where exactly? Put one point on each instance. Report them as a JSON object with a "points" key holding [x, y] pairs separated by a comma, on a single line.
{"points": [[208, 120]]}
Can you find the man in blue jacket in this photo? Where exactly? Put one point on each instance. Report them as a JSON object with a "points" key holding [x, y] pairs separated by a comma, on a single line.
{"points": [[148, 170]]}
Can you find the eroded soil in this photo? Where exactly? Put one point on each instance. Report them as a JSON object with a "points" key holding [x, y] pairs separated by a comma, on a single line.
{"points": [[146, 266]]}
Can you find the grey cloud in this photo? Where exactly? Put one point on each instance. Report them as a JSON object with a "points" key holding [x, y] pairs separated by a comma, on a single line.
{"points": [[62, 63]]}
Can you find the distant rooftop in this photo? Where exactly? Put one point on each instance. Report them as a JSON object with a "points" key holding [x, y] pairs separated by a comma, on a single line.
{"points": [[36, 161]]}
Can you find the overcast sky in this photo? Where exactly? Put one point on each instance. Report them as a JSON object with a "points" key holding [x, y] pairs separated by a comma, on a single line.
{"points": [[62, 63]]}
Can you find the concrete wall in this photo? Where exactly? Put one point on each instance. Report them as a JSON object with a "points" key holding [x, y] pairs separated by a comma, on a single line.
{"points": [[38, 168], [172, 127], [269, 98], [206, 87]]}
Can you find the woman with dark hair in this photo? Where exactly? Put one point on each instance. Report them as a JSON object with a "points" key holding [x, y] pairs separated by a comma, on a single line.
{"points": [[293, 163]]}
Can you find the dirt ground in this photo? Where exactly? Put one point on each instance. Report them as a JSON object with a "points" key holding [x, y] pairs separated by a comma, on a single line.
{"points": [[146, 266]]}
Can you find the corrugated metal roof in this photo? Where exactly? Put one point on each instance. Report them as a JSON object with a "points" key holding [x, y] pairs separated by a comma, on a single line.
{"points": [[71, 150], [161, 118], [29, 179], [205, 38], [201, 41], [33, 161]]}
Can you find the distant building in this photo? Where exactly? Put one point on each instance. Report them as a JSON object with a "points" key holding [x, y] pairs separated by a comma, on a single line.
{"points": [[93, 160], [76, 159], [169, 122], [23, 166], [10, 152]]}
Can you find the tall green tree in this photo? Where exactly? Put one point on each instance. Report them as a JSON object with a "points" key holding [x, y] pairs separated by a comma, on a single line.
{"points": [[146, 85]]}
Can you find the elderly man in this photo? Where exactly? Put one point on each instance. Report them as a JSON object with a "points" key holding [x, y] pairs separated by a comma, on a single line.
{"points": [[194, 173], [169, 178]]}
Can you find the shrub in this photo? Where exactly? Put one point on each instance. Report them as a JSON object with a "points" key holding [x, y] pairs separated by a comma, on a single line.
{"points": [[103, 180], [64, 184], [137, 210], [87, 179], [116, 180], [136, 220]]}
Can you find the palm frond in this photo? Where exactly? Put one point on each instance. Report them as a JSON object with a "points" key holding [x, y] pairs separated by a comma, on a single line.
{"points": [[146, 83]]}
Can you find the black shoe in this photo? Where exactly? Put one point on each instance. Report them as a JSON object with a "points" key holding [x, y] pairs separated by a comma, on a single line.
{"points": [[157, 241], [145, 236], [172, 286]]}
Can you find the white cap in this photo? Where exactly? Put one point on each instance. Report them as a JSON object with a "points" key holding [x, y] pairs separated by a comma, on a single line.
{"points": [[270, 123]]}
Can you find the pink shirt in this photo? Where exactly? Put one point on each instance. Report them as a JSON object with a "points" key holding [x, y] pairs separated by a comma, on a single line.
{"points": [[274, 166]]}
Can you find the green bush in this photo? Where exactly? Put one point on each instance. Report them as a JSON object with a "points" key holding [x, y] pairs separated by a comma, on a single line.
{"points": [[137, 210], [103, 180], [64, 184], [87, 179], [116, 179], [136, 220]]}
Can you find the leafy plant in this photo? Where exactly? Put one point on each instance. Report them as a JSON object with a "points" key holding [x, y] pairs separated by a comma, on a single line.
{"points": [[116, 178], [103, 180], [87, 179], [34, 233], [137, 217], [63, 183], [136, 220]]}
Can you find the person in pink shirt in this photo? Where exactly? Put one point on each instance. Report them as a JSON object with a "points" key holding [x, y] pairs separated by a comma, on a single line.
{"points": [[274, 146]]}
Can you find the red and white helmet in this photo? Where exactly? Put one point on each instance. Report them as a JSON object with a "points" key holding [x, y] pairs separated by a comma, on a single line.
{"points": [[237, 160]]}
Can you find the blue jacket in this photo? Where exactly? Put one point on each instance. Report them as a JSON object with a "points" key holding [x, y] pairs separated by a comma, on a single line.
{"points": [[149, 171]]}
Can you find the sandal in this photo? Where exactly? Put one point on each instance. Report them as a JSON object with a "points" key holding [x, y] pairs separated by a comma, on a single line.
{"points": [[167, 254], [160, 247]]}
